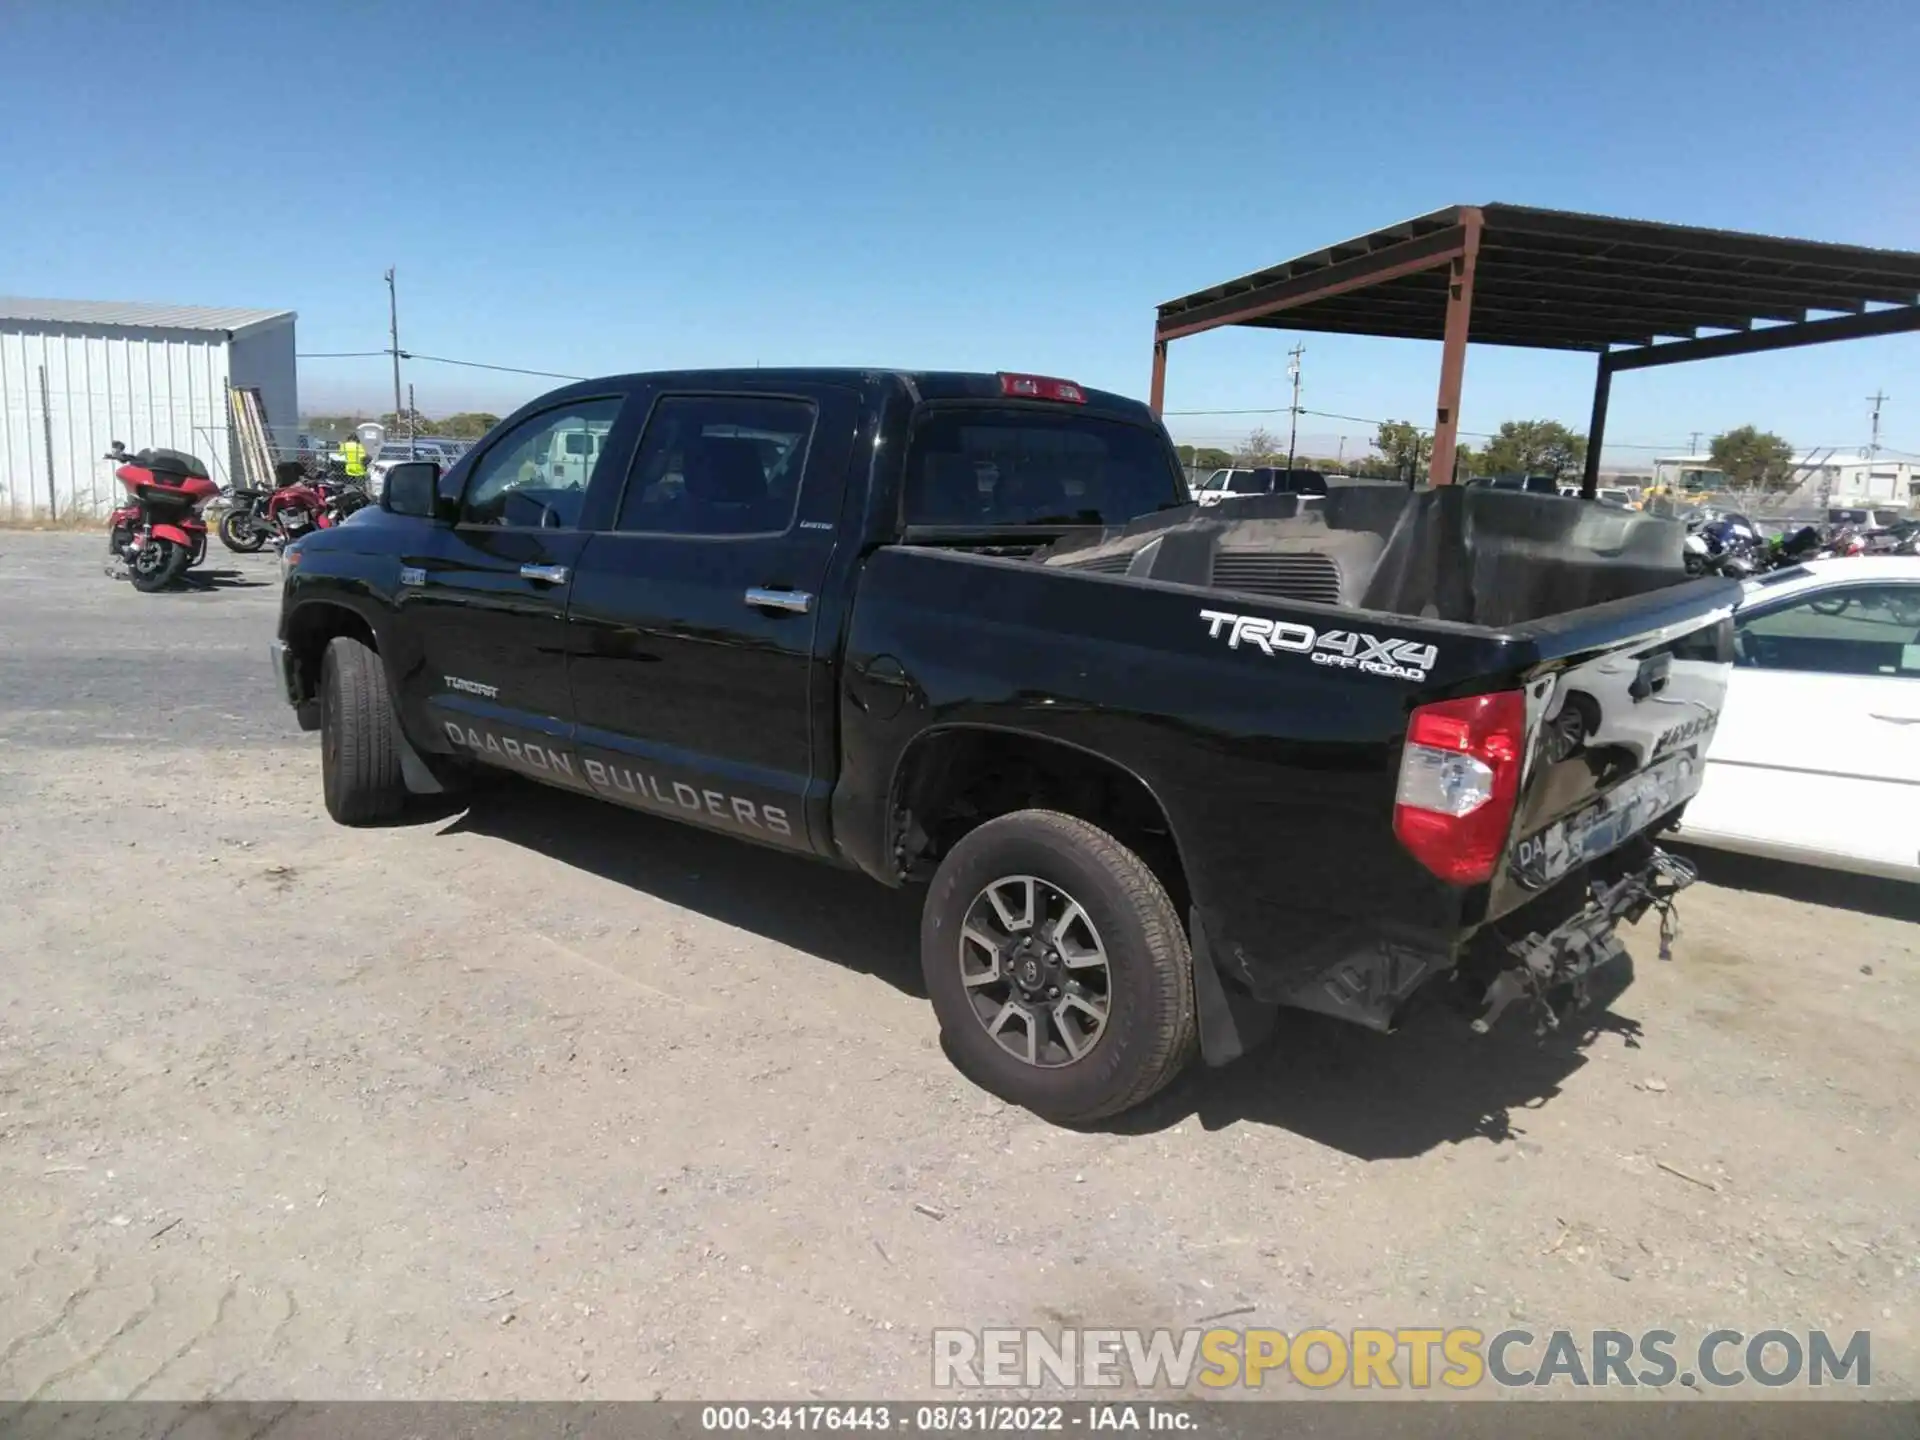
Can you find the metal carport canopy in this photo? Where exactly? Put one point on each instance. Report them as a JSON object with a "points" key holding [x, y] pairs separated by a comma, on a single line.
{"points": [[1634, 292]]}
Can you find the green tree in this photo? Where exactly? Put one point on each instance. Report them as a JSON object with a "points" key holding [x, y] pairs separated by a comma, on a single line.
{"points": [[397, 425], [330, 426], [1753, 458], [1211, 457], [1404, 447], [1534, 447], [467, 424], [1260, 448]]}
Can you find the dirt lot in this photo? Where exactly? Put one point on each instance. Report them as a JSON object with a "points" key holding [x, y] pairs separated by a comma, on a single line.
{"points": [[549, 1100]]}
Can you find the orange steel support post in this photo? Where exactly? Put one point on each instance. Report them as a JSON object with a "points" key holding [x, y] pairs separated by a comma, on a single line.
{"points": [[1157, 396], [1453, 348]]}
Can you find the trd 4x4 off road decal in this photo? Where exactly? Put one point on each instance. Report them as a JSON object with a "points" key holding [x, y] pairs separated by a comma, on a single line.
{"points": [[1344, 649]]}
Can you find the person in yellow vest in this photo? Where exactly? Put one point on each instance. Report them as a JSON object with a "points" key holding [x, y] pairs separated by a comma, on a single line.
{"points": [[355, 456]]}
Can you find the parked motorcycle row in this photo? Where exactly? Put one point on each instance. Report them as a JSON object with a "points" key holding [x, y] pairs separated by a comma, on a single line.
{"points": [[1728, 543], [161, 531]]}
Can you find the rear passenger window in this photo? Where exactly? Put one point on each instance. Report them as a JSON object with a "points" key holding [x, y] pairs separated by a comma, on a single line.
{"points": [[974, 465], [718, 465]]}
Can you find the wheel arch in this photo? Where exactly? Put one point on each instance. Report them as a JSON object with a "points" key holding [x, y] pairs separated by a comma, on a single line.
{"points": [[310, 627], [951, 778], [936, 796]]}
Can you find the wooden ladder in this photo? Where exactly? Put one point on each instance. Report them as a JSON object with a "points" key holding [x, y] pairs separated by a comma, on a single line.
{"points": [[251, 436]]}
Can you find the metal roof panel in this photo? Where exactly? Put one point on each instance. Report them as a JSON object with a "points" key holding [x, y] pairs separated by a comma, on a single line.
{"points": [[137, 314]]}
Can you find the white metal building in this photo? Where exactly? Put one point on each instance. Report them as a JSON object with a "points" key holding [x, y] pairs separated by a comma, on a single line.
{"points": [[1860, 479], [76, 375]]}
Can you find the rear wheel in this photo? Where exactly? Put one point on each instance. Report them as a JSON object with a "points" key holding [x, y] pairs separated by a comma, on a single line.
{"points": [[359, 740], [1058, 967], [238, 532], [157, 564]]}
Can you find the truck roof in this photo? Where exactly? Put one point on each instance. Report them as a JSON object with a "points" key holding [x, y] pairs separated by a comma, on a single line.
{"points": [[920, 384]]}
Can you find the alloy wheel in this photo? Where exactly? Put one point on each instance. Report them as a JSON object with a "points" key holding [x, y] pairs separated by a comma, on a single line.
{"points": [[1035, 971]]}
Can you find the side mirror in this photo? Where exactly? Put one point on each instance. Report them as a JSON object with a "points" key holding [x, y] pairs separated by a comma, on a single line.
{"points": [[412, 488]]}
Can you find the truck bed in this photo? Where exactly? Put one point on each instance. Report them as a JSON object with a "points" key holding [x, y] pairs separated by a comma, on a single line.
{"points": [[1478, 556], [1270, 727]]}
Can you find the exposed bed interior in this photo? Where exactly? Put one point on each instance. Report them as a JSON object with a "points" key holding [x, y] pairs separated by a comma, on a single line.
{"points": [[1479, 556]]}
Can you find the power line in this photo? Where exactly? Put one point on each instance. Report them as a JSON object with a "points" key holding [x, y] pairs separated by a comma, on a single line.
{"points": [[477, 365], [436, 359]]}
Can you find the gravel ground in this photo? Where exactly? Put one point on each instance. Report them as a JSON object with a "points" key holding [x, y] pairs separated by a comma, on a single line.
{"points": [[544, 1099]]}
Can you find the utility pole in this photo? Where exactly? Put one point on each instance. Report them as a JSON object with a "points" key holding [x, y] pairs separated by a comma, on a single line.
{"points": [[393, 330], [410, 421], [1693, 444], [1340, 462], [1877, 399], [1293, 426]]}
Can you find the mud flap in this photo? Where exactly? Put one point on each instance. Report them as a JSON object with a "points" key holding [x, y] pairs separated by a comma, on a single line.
{"points": [[1232, 1023], [1554, 969], [419, 779]]}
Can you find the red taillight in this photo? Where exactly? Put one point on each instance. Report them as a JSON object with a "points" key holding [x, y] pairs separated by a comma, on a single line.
{"points": [[1041, 387], [1459, 776]]}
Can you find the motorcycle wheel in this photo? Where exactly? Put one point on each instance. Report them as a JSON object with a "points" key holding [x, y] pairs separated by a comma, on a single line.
{"points": [[156, 565], [239, 533]]}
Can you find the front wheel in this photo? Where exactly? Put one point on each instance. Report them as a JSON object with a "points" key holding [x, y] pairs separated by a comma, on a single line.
{"points": [[157, 564], [1058, 967], [359, 738], [240, 533]]}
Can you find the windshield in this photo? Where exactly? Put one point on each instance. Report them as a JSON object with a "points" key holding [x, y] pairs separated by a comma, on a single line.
{"points": [[972, 465]]}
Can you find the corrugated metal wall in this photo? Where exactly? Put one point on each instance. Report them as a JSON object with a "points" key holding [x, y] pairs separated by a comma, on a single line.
{"points": [[145, 387], [263, 359]]}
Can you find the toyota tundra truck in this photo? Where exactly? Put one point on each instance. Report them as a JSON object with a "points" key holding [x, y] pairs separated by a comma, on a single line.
{"points": [[1161, 770]]}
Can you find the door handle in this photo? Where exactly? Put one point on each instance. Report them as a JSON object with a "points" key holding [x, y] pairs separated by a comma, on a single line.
{"points": [[1899, 719], [545, 574], [797, 602]]}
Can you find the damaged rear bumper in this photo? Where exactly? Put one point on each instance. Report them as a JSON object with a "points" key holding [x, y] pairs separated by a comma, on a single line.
{"points": [[1370, 975], [1551, 970]]}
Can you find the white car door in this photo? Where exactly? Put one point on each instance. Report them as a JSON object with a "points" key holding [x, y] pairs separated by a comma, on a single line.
{"points": [[1817, 755]]}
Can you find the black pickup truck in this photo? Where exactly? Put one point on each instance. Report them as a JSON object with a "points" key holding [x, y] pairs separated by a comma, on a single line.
{"points": [[1164, 769]]}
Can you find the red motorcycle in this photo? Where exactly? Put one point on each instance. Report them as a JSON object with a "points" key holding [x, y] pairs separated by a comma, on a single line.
{"points": [[158, 534], [293, 510]]}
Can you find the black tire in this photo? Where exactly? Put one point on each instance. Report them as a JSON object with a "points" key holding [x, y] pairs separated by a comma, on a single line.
{"points": [[359, 738], [239, 533], [157, 574], [1149, 1029]]}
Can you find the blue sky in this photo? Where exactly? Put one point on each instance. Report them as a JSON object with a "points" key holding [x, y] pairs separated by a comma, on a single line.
{"points": [[592, 188]]}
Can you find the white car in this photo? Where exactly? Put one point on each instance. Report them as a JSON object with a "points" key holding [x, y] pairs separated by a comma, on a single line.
{"points": [[1817, 754], [1214, 489]]}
